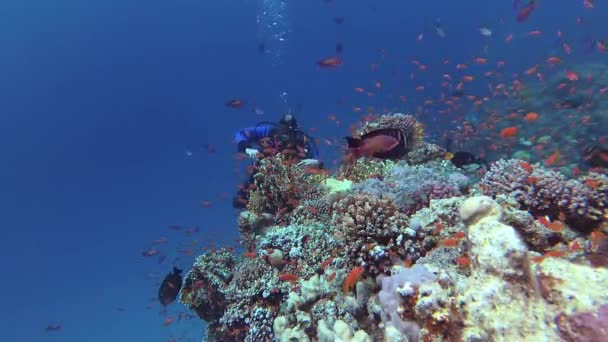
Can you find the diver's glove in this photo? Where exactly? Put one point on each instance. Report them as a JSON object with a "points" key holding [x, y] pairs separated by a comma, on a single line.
{"points": [[309, 163], [252, 153]]}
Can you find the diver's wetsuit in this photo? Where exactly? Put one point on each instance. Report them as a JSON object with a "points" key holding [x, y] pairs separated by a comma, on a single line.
{"points": [[281, 138], [285, 137]]}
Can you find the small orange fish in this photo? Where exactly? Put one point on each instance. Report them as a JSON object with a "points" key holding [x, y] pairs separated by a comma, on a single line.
{"points": [[572, 76], [326, 263], [459, 235], [531, 180], [330, 62], [532, 116], [509, 132], [552, 159], [531, 71], [591, 183], [463, 260], [290, 277], [468, 78], [526, 166], [449, 242], [554, 60], [331, 277], [235, 103], [352, 278], [481, 60], [250, 254], [168, 321], [556, 226]]}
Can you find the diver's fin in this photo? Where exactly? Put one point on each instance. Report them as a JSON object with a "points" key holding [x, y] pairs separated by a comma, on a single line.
{"points": [[353, 142]]}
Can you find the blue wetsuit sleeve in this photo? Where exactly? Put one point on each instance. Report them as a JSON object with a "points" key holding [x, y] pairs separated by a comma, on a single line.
{"points": [[249, 137]]}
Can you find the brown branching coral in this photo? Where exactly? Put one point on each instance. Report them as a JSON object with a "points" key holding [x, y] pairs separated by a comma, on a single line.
{"points": [[546, 192], [279, 187], [365, 215], [368, 225]]}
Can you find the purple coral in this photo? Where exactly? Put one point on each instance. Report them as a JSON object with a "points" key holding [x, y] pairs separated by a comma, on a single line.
{"points": [[585, 326], [545, 192]]}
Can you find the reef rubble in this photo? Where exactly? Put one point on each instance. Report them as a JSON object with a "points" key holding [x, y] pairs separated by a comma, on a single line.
{"points": [[410, 250]]}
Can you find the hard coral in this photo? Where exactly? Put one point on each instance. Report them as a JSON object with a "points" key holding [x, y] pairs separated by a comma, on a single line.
{"points": [[279, 187], [412, 187], [205, 286], [363, 215], [369, 227], [545, 192]]}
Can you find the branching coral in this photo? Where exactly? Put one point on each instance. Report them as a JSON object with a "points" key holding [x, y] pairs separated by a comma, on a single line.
{"points": [[545, 192], [369, 226], [280, 186]]}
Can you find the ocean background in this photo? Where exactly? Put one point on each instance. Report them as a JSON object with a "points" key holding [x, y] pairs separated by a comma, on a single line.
{"points": [[113, 127]]}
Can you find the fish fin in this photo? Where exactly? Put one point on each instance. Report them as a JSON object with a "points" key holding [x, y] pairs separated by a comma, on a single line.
{"points": [[353, 142]]}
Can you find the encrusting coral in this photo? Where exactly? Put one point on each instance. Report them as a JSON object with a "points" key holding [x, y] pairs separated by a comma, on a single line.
{"points": [[410, 250]]}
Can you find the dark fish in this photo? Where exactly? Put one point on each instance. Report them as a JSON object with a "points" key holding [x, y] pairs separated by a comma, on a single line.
{"points": [[339, 48], [53, 327], [461, 158], [261, 48], [169, 289], [386, 143], [596, 156]]}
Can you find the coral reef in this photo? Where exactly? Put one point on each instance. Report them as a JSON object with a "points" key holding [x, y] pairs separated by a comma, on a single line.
{"points": [[546, 192], [411, 250], [279, 186]]}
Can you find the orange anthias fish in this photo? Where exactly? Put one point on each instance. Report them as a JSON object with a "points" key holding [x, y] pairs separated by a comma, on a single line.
{"points": [[572, 76], [352, 278], [532, 116], [552, 158], [509, 132], [235, 103], [330, 62], [290, 277]]}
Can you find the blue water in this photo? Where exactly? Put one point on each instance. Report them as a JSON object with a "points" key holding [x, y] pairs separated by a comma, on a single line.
{"points": [[100, 102]]}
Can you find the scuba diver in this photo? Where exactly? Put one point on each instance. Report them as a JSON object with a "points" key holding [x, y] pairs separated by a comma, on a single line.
{"points": [[266, 139]]}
